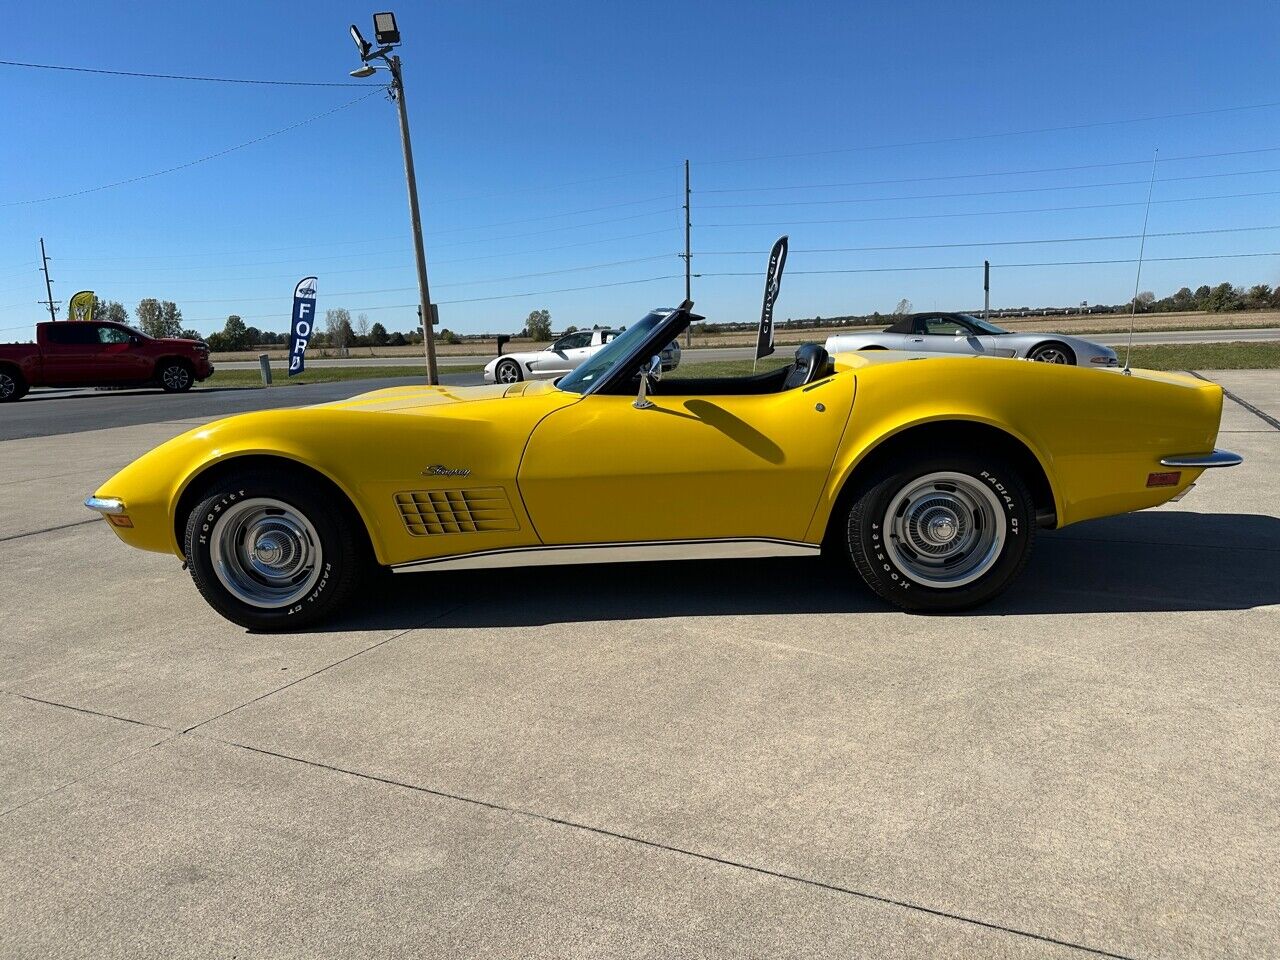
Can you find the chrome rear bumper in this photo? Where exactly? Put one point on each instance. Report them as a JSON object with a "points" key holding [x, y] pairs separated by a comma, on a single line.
{"points": [[1219, 458]]}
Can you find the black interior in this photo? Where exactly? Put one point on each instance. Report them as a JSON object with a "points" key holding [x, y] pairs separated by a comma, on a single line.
{"points": [[811, 363]]}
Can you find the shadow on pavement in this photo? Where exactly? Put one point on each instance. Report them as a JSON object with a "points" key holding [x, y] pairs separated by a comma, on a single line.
{"points": [[1140, 562]]}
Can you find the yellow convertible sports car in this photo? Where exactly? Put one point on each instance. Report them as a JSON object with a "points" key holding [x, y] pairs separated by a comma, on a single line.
{"points": [[928, 474]]}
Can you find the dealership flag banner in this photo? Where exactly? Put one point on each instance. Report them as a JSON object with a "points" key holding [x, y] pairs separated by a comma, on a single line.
{"points": [[81, 307], [772, 284], [304, 321]]}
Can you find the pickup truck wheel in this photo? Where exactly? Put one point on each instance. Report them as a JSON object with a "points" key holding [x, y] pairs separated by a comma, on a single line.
{"points": [[176, 377], [942, 534], [270, 552], [13, 386]]}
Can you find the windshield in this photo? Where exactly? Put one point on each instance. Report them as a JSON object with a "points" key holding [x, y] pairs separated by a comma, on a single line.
{"points": [[594, 368], [983, 326]]}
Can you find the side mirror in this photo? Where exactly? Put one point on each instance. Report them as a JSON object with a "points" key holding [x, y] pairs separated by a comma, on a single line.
{"points": [[649, 371]]}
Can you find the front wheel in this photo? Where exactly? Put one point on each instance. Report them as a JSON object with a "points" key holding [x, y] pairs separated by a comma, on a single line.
{"points": [[1053, 352], [945, 533], [508, 371], [175, 377], [269, 551], [13, 386]]}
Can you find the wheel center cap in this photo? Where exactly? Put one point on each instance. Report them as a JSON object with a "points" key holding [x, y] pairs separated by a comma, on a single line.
{"points": [[270, 549], [939, 526]]}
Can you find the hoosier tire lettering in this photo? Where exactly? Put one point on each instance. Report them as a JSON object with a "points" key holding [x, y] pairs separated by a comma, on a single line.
{"points": [[943, 533]]}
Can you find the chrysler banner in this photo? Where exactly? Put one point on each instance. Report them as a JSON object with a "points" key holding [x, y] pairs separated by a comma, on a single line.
{"points": [[772, 284], [304, 321]]}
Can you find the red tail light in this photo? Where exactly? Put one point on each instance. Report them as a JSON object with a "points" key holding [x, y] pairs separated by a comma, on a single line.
{"points": [[1169, 479]]}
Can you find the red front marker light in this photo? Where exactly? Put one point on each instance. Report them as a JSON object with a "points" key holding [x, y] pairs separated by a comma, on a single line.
{"points": [[1169, 479]]}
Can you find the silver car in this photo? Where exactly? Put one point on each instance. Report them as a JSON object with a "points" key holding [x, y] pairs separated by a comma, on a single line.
{"points": [[561, 357], [963, 334]]}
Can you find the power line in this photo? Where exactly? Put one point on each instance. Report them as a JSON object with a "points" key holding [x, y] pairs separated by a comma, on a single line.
{"points": [[174, 76], [192, 163], [1009, 133], [505, 296], [991, 213], [990, 243], [984, 193], [568, 213], [456, 283], [998, 173], [995, 266]]}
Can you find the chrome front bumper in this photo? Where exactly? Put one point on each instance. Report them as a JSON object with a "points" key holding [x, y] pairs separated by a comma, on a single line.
{"points": [[1202, 461], [105, 505]]}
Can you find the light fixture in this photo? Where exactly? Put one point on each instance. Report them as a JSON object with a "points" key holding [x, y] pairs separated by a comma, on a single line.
{"points": [[362, 45], [385, 30], [368, 70]]}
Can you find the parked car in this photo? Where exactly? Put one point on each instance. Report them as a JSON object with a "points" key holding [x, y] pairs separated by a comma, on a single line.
{"points": [[961, 333], [928, 476], [561, 357], [79, 354]]}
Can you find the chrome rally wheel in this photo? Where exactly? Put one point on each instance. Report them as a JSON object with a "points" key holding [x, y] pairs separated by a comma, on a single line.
{"points": [[939, 533], [275, 549], [266, 553], [944, 530]]}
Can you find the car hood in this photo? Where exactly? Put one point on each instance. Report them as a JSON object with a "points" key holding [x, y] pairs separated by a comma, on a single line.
{"points": [[426, 399]]}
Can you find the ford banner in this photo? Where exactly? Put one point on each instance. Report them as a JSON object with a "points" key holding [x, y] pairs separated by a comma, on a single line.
{"points": [[304, 321]]}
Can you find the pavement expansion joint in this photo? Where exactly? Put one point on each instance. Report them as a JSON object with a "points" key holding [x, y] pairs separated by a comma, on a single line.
{"points": [[1261, 414], [327, 666], [61, 526], [681, 851]]}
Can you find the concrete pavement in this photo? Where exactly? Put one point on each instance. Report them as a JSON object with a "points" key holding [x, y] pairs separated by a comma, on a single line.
{"points": [[751, 759]]}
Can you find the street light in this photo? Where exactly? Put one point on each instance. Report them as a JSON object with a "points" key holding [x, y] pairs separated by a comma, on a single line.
{"points": [[387, 35]]}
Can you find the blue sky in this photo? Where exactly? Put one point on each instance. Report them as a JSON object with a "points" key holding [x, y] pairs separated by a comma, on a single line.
{"points": [[550, 136]]}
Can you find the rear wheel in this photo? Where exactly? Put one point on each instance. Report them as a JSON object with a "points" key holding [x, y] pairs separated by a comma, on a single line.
{"points": [[13, 385], [176, 377], [945, 533], [1053, 352], [269, 551], [508, 371]]}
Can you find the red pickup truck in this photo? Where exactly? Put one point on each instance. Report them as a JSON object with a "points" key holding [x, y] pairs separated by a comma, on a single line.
{"points": [[78, 354]]}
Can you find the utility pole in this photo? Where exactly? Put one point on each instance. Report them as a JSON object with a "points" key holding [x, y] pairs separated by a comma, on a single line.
{"points": [[688, 255], [48, 284], [388, 36], [986, 290], [424, 293]]}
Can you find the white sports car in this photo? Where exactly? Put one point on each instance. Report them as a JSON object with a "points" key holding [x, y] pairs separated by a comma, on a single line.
{"points": [[561, 357], [961, 333]]}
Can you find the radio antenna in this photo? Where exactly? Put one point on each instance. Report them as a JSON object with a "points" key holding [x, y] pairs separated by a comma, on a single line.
{"points": [[1137, 281]]}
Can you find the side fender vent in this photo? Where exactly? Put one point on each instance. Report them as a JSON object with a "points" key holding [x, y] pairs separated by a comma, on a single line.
{"points": [[427, 513]]}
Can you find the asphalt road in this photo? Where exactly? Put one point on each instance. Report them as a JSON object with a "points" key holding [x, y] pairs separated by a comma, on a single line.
{"points": [[746, 759], [745, 353], [45, 413]]}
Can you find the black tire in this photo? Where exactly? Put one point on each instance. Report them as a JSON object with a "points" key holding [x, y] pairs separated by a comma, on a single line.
{"points": [[340, 551], [1051, 351], [512, 370], [13, 385], [881, 545], [175, 376]]}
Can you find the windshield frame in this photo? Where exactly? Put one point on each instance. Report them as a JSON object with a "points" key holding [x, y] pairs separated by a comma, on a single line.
{"points": [[983, 326], [619, 357]]}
